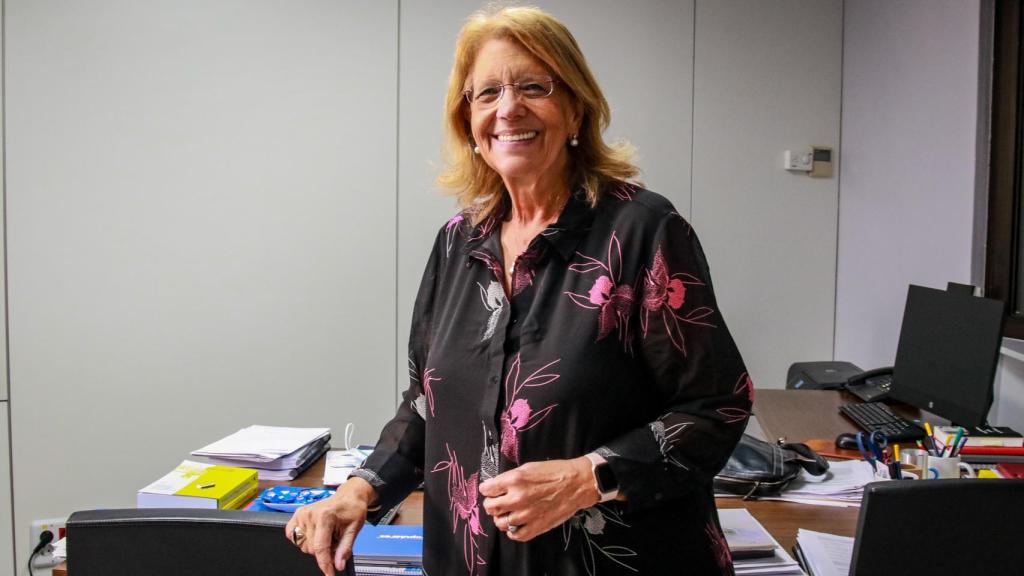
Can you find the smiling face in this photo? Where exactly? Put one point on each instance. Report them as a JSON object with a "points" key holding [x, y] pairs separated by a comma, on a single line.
{"points": [[524, 140]]}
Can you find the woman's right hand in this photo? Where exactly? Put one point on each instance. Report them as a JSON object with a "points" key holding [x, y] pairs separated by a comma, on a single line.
{"points": [[328, 528]]}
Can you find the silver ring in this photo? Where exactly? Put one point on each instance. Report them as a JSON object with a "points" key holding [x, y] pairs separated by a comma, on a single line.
{"points": [[297, 535], [509, 525]]}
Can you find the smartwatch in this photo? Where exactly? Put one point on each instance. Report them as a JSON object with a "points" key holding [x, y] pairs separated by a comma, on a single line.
{"points": [[604, 477]]}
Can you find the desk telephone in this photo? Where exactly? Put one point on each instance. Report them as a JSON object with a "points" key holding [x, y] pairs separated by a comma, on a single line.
{"points": [[871, 386]]}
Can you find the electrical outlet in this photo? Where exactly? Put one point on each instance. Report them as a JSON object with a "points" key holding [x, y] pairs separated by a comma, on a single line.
{"points": [[45, 557]]}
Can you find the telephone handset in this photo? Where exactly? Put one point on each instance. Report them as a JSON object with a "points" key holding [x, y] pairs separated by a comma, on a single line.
{"points": [[871, 386]]}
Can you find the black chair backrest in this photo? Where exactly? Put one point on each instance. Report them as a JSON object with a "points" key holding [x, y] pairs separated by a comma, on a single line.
{"points": [[939, 527], [174, 542]]}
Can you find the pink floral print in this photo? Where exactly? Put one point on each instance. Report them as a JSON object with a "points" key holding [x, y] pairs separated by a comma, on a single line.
{"points": [[449, 232], [719, 546], [733, 414], [525, 270], [463, 496], [425, 380], [664, 294], [622, 191], [607, 294], [518, 415]]}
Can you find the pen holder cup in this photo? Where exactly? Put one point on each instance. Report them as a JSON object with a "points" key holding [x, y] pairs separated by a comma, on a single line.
{"points": [[948, 467], [914, 459], [909, 471], [932, 467]]}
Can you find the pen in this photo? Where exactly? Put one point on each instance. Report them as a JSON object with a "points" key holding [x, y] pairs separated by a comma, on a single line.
{"points": [[960, 446], [956, 441], [929, 441], [205, 486]]}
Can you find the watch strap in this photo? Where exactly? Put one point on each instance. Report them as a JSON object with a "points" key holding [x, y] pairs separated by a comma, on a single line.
{"points": [[596, 461]]}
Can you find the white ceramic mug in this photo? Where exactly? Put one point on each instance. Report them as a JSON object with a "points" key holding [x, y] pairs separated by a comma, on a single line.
{"points": [[948, 467], [934, 467]]}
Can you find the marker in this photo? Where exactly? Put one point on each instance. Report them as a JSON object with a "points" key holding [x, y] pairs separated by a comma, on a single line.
{"points": [[960, 446], [956, 441]]}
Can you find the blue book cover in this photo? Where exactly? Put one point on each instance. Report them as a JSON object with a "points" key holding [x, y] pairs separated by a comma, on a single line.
{"points": [[389, 543]]}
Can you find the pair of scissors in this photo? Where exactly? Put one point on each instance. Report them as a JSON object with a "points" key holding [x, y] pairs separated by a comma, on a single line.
{"points": [[871, 447]]}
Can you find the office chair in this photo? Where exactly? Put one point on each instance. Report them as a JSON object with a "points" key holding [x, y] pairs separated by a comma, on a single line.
{"points": [[939, 527], [173, 542]]}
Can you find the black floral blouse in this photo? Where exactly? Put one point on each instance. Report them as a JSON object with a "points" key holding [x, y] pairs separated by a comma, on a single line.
{"points": [[611, 341]]}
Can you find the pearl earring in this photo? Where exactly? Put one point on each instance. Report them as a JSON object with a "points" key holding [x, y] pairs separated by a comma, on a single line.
{"points": [[573, 141], [476, 150]]}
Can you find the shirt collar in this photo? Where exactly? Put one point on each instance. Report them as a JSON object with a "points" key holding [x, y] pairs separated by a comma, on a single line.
{"points": [[563, 235]]}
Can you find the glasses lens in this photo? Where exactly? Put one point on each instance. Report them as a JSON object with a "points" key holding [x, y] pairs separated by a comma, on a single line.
{"points": [[488, 94], [536, 88]]}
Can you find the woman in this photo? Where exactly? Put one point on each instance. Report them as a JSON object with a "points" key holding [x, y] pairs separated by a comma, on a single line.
{"points": [[573, 385]]}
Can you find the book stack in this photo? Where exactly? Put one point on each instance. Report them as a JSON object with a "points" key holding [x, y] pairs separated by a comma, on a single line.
{"points": [[198, 485], [983, 444], [388, 549], [275, 452], [753, 549]]}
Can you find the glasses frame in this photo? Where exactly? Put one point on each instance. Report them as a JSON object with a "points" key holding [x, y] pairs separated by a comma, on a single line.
{"points": [[515, 90]]}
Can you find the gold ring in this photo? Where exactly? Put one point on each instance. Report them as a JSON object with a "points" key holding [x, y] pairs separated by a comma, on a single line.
{"points": [[297, 535]]}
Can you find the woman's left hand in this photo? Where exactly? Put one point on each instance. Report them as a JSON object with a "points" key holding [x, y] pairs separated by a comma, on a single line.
{"points": [[538, 496]]}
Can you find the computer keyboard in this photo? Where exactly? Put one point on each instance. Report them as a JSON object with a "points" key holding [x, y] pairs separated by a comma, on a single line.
{"points": [[876, 416]]}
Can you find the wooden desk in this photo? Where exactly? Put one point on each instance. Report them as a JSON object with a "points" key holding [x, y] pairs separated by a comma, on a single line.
{"points": [[795, 414], [802, 414]]}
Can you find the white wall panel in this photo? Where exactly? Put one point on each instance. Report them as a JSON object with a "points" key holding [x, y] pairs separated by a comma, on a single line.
{"points": [[641, 54], [201, 207], [6, 511], [910, 120], [767, 79]]}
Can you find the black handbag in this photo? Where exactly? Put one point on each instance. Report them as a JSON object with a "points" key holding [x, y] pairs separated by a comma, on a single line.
{"points": [[758, 468]]}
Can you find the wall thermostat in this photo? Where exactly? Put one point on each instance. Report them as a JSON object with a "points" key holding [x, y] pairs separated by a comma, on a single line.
{"points": [[821, 166]]}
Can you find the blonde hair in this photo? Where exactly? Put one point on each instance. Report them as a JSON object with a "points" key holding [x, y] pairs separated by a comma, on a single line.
{"points": [[477, 187]]}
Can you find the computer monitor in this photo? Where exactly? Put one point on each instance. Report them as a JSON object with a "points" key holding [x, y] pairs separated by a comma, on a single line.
{"points": [[947, 354]]}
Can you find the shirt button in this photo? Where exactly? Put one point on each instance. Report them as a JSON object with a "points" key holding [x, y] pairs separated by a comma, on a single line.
{"points": [[494, 379], [468, 264]]}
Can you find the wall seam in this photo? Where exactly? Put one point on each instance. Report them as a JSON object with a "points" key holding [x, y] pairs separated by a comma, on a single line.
{"points": [[693, 102], [839, 169], [6, 303], [398, 196]]}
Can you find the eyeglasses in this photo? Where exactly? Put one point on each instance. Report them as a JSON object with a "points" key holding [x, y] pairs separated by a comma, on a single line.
{"points": [[531, 89]]}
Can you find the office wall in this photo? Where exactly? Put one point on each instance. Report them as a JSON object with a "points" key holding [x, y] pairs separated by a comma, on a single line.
{"points": [[6, 502], [767, 79], [910, 129], [6, 495], [218, 213], [201, 204]]}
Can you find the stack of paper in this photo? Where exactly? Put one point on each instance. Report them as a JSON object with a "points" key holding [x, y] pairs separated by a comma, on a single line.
{"points": [[824, 554], [388, 549], [843, 485], [746, 536], [276, 452]]}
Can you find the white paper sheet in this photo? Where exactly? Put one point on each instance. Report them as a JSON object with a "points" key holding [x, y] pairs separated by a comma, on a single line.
{"points": [[262, 443], [826, 554]]}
